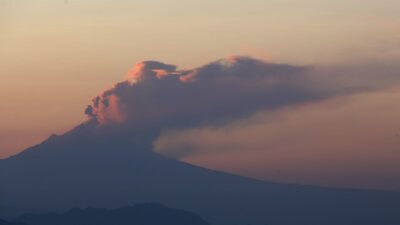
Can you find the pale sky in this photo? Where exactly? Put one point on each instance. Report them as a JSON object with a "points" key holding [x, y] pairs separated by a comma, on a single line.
{"points": [[55, 54]]}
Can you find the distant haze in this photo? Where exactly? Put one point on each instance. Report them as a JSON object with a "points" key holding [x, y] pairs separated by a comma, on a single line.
{"points": [[348, 141]]}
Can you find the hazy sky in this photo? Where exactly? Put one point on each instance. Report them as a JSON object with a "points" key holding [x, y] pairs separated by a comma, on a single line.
{"points": [[346, 141], [57, 53]]}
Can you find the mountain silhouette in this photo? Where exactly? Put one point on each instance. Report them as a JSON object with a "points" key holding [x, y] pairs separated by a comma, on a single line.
{"points": [[3, 222], [80, 170], [140, 214]]}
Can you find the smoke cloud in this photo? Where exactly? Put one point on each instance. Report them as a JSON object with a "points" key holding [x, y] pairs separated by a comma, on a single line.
{"points": [[346, 141], [202, 114], [159, 96]]}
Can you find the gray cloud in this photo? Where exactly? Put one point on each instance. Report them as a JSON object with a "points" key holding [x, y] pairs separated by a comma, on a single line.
{"points": [[162, 96], [158, 96]]}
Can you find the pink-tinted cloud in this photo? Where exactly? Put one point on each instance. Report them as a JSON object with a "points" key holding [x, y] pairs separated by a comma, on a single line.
{"points": [[158, 96]]}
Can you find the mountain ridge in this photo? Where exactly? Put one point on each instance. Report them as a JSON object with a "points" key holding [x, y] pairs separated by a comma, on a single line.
{"points": [[82, 169], [140, 214]]}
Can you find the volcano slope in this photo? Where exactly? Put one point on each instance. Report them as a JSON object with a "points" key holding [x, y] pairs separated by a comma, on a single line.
{"points": [[82, 170]]}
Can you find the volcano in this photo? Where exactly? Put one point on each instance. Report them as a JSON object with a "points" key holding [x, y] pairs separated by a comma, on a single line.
{"points": [[79, 169]]}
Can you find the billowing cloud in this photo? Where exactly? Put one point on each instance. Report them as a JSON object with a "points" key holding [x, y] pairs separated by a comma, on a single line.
{"points": [[159, 96], [205, 114]]}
